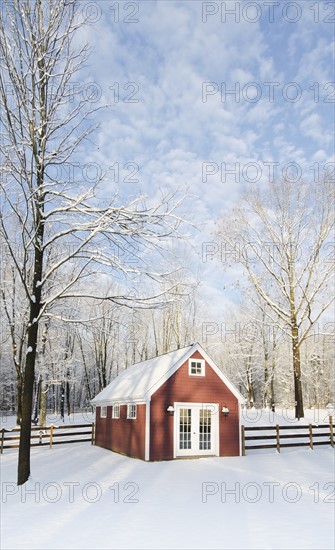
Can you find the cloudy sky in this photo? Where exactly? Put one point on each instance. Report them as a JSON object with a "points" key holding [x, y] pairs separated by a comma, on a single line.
{"points": [[198, 89]]}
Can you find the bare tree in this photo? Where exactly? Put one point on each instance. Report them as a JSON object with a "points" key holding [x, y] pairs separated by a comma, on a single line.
{"points": [[65, 229], [318, 362], [14, 308], [269, 337], [280, 235]]}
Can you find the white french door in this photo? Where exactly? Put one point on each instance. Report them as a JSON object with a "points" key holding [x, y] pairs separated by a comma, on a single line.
{"points": [[196, 429]]}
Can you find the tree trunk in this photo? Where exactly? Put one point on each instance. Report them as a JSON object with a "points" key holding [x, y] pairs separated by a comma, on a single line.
{"points": [[267, 389], [19, 399], [62, 400], [27, 400], [299, 405], [43, 403], [272, 382], [68, 396], [23, 471], [14, 401], [37, 399], [250, 386], [272, 398], [86, 377]]}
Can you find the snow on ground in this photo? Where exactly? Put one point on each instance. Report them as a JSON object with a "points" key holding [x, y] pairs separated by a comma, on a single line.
{"points": [[85, 497]]}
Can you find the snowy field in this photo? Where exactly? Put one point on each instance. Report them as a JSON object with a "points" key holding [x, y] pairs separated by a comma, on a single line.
{"points": [[84, 497]]}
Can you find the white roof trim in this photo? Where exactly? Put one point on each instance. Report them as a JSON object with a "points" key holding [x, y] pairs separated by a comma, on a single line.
{"points": [[123, 401]]}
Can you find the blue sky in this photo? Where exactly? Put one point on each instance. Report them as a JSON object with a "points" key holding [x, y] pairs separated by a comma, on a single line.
{"points": [[168, 65]]}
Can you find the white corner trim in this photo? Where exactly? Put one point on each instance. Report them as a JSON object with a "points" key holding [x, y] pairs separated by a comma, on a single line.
{"points": [[240, 428], [147, 431]]}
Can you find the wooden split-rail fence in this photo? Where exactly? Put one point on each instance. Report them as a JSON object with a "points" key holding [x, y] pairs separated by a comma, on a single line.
{"points": [[49, 435], [278, 437], [275, 437]]}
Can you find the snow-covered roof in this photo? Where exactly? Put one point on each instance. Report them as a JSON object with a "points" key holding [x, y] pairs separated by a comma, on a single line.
{"points": [[140, 381]]}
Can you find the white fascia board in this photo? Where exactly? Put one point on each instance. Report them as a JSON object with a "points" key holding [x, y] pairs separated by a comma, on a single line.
{"points": [[123, 401], [147, 431]]}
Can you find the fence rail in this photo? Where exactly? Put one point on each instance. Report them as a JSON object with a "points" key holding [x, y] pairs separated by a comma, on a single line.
{"points": [[278, 436], [48, 435]]}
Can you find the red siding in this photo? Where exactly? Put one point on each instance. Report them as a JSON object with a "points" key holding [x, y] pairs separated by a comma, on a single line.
{"points": [[181, 387], [122, 435]]}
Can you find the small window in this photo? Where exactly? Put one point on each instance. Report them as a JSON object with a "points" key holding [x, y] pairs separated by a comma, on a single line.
{"points": [[196, 367], [131, 411], [116, 411], [103, 412]]}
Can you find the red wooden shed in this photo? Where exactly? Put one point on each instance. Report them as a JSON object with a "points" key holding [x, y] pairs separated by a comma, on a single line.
{"points": [[179, 404]]}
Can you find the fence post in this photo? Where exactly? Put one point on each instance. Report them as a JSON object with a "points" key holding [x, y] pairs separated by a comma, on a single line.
{"points": [[277, 438], [243, 440], [51, 432], [93, 433], [2, 438], [331, 431], [310, 429]]}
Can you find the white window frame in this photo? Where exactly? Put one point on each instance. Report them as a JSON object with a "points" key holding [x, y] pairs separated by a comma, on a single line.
{"points": [[129, 409], [103, 411], [202, 363], [116, 407]]}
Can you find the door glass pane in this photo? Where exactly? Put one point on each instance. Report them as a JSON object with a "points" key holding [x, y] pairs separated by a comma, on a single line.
{"points": [[205, 429], [185, 429]]}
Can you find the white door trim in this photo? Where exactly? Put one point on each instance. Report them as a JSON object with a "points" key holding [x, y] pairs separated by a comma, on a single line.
{"points": [[147, 430], [214, 407]]}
